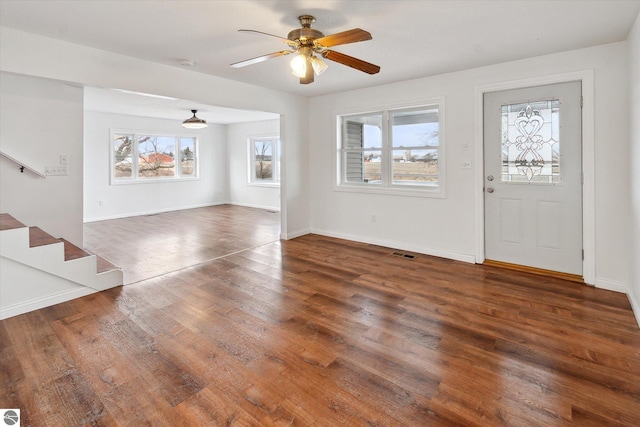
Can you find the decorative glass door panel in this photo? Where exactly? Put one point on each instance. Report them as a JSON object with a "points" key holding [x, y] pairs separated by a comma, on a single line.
{"points": [[531, 142]]}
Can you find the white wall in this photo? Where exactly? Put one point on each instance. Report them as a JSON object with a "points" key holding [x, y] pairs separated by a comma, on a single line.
{"points": [[447, 226], [149, 197], [33, 55], [25, 289], [633, 45], [40, 120], [241, 192]]}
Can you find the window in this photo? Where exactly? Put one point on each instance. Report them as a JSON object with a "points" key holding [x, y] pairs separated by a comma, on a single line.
{"points": [[392, 151], [264, 160], [145, 157]]}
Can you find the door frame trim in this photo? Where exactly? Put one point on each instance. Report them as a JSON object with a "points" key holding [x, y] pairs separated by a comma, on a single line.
{"points": [[588, 160]]}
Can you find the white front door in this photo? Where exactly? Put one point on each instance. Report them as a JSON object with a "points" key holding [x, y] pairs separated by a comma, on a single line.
{"points": [[533, 177]]}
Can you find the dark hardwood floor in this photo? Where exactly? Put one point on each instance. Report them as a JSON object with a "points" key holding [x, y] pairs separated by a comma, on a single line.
{"points": [[318, 331]]}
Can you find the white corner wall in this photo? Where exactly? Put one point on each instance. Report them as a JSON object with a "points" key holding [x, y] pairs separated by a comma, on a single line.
{"points": [[241, 191], [447, 227], [40, 120], [33, 55], [105, 201], [633, 46]]}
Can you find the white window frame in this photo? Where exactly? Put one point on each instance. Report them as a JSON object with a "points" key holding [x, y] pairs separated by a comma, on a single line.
{"points": [[251, 161], [386, 185], [135, 179]]}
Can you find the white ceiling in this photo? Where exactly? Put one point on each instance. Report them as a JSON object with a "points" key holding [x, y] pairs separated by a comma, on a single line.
{"points": [[411, 38], [149, 105]]}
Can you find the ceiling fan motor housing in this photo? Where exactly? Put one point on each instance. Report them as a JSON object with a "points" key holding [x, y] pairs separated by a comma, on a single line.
{"points": [[305, 35]]}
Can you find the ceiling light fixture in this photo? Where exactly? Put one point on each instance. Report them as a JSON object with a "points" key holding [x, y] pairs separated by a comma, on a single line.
{"points": [[194, 122], [319, 66], [299, 65], [306, 42]]}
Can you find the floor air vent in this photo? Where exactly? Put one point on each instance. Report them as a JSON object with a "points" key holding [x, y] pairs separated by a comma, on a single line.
{"points": [[403, 255]]}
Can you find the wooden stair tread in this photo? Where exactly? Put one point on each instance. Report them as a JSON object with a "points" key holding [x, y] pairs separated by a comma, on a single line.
{"points": [[7, 222], [39, 237], [105, 265], [72, 251]]}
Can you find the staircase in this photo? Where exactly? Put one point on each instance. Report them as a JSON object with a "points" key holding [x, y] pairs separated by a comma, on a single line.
{"points": [[56, 258]]}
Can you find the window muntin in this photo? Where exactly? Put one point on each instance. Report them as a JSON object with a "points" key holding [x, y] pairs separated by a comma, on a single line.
{"points": [[146, 157], [264, 160], [397, 149]]}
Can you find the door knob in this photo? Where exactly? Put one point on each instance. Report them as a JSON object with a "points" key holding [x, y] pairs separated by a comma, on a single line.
{"points": [[490, 178], [489, 190]]}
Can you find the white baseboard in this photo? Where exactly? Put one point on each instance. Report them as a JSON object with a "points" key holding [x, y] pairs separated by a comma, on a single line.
{"points": [[611, 285], [635, 305], [46, 301], [402, 246], [295, 234], [249, 205], [154, 211]]}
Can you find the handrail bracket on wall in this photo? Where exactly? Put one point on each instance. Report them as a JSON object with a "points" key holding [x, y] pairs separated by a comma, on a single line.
{"points": [[22, 165]]}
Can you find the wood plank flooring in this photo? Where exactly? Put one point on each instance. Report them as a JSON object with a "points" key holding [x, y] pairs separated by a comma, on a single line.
{"points": [[318, 331], [151, 245]]}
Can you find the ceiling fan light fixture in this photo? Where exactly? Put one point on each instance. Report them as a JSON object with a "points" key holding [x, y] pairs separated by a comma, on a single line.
{"points": [[306, 42], [299, 65], [194, 122], [319, 66]]}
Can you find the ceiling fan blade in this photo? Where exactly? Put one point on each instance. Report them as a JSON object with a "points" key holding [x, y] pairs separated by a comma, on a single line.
{"points": [[350, 61], [260, 59], [282, 39], [350, 36], [308, 78]]}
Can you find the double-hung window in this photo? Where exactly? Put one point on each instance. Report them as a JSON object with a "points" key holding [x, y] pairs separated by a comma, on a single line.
{"points": [[146, 157], [394, 150], [264, 160]]}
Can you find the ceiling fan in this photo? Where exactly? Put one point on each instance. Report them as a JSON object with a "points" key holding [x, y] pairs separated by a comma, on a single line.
{"points": [[307, 43]]}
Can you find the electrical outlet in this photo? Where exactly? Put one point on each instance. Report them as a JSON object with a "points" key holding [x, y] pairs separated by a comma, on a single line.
{"points": [[56, 170], [63, 159]]}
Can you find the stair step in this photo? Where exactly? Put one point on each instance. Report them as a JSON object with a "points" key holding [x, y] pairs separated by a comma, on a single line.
{"points": [[71, 251], [7, 222], [39, 237], [105, 265]]}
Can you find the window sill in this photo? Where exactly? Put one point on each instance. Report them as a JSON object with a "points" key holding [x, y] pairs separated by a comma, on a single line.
{"points": [[264, 184], [152, 181], [431, 192]]}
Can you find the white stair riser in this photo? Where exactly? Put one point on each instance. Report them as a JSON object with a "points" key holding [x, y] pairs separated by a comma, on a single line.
{"points": [[14, 245]]}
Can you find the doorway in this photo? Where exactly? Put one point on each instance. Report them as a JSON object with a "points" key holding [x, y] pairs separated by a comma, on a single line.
{"points": [[533, 177]]}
